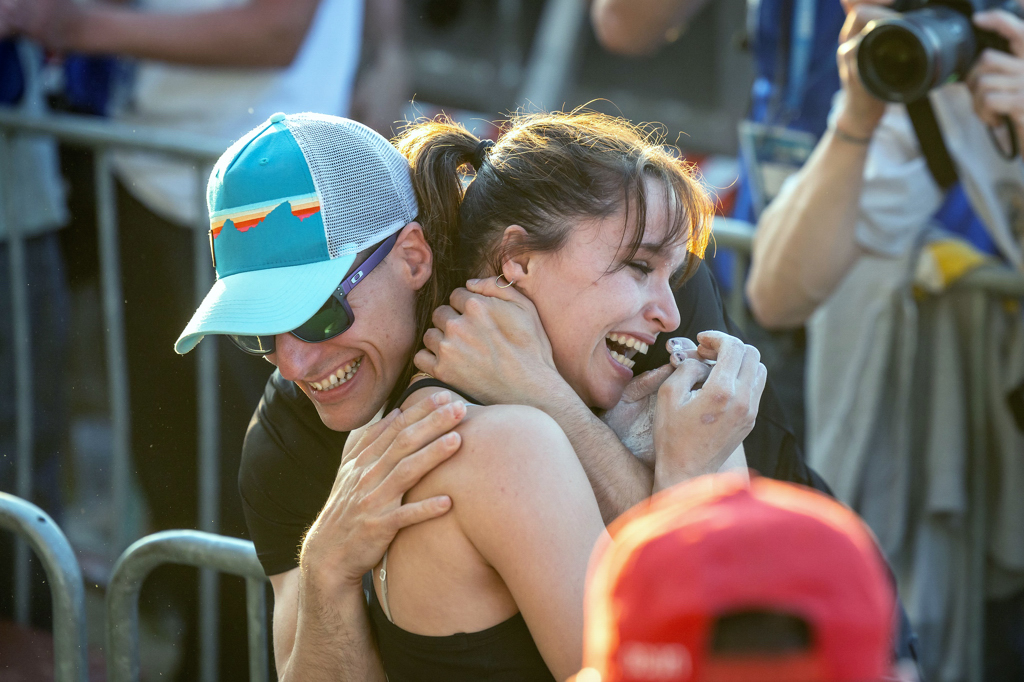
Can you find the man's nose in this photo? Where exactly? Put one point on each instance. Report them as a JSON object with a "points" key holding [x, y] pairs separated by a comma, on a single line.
{"points": [[293, 357]]}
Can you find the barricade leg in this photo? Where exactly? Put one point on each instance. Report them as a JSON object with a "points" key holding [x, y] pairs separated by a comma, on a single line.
{"points": [[208, 405], [70, 646], [190, 548], [117, 354]]}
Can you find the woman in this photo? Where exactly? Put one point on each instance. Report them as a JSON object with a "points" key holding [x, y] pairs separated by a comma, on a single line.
{"points": [[593, 222]]}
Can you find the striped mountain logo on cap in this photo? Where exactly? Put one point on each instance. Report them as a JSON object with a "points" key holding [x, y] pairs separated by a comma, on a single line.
{"points": [[246, 217]]}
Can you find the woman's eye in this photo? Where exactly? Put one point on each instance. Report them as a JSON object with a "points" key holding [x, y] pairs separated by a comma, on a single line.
{"points": [[641, 266]]}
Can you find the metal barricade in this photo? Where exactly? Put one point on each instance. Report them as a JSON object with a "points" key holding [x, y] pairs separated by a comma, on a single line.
{"points": [[191, 548], [104, 137], [32, 524]]}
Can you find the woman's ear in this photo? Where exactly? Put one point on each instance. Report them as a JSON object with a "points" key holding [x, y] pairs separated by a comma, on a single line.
{"points": [[517, 268], [414, 255]]}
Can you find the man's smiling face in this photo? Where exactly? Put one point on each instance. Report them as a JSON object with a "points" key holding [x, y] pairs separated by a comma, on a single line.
{"points": [[350, 376]]}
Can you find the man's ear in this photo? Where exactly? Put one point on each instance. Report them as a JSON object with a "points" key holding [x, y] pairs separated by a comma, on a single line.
{"points": [[415, 258], [517, 268]]}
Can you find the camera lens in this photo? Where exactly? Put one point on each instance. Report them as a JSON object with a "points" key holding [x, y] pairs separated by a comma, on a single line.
{"points": [[900, 60], [894, 63]]}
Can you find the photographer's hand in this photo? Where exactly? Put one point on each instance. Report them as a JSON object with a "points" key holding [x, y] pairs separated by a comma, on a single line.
{"points": [[862, 111], [997, 80]]}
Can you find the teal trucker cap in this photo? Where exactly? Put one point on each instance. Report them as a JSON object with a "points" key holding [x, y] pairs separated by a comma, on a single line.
{"points": [[291, 205]]}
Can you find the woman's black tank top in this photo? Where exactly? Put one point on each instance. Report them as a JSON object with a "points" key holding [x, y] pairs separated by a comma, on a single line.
{"points": [[503, 653]]}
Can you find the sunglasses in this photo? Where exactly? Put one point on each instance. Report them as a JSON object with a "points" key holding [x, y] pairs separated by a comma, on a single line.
{"points": [[334, 317]]}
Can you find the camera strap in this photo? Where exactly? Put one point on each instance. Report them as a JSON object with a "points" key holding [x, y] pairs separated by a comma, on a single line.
{"points": [[929, 136]]}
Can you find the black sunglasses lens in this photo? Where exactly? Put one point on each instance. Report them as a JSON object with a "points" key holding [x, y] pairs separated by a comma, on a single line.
{"points": [[332, 319], [255, 345]]}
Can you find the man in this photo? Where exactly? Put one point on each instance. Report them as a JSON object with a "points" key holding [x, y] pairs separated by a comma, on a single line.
{"points": [[718, 580]]}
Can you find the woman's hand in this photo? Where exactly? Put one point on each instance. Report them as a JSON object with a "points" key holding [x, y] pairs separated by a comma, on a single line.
{"points": [[490, 343], [695, 430], [997, 80], [365, 510]]}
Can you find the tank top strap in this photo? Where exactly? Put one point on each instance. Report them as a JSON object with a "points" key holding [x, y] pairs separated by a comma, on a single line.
{"points": [[429, 382]]}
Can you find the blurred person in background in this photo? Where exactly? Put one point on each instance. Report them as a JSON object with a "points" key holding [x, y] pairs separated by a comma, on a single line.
{"points": [[717, 579], [215, 67], [33, 198], [853, 245]]}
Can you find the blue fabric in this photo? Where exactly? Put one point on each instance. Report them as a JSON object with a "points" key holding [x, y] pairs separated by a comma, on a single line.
{"points": [[87, 83], [12, 81]]}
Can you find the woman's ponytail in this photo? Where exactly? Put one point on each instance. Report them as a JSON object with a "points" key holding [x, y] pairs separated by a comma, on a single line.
{"points": [[436, 150]]}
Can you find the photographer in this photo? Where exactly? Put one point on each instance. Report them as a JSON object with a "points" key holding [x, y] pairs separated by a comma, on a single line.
{"points": [[841, 248], [809, 238]]}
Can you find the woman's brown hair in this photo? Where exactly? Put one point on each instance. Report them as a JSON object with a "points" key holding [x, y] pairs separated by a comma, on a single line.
{"points": [[545, 173]]}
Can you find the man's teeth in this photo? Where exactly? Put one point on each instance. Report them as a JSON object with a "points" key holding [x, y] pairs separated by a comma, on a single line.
{"points": [[338, 378], [629, 342], [622, 359]]}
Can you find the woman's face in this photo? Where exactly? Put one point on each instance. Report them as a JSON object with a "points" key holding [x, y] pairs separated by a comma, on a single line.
{"points": [[599, 316]]}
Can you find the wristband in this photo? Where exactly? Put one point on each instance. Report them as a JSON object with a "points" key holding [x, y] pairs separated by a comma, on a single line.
{"points": [[847, 137]]}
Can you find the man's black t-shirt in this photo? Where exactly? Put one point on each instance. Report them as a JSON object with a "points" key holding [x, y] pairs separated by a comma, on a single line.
{"points": [[290, 458]]}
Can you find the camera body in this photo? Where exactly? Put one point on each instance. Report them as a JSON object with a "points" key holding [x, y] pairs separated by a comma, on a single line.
{"points": [[931, 43]]}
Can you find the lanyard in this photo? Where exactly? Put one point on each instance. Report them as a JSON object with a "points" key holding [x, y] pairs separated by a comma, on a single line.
{"points": [[800, 46]]}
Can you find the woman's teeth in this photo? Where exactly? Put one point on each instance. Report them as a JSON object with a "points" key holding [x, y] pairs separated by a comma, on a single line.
{"points": [[629, 342], [338, 378], [622, 359]]}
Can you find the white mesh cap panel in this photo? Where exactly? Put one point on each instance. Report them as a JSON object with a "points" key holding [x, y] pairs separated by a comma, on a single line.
{"points": [[363, 181]]}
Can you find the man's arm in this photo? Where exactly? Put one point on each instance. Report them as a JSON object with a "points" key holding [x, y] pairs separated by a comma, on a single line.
{"points": [[335, 639], [263, 33], [321, 628], [806, 240], [639, 27]]}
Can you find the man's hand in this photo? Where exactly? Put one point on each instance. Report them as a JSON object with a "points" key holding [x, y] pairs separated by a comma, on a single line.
{"points": [[997, 80], [697, 429], [365, 511], [862, 111], [491, 344]]}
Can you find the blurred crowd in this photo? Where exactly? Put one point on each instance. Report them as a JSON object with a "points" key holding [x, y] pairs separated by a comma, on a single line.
{"points": [[869, 207]]}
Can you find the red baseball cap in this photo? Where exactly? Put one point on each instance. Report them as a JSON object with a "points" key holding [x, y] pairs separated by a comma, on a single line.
{"points": [[717, 549]]}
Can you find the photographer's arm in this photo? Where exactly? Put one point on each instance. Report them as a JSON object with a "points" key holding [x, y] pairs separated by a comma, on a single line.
{"points": [[805, 240], [639, 27]]}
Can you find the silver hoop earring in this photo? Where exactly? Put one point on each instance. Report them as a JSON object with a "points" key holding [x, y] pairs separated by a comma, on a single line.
{"points": [[500, 286]]}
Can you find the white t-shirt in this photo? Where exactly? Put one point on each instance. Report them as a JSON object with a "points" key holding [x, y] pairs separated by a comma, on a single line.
{"points": [[228, 102]]}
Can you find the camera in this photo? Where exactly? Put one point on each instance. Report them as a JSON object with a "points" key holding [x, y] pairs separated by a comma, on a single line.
{"points": [[933, 42]]}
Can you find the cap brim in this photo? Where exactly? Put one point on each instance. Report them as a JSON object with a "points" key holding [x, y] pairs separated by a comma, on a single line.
{"points": [[265, 302]]}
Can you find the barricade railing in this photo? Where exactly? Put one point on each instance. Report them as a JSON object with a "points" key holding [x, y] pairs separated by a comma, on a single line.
{"points": [[63, 575], [104, 138], [190, 548]]}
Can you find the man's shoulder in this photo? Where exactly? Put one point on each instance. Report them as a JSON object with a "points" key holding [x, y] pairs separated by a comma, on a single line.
{"points": [[286, 444]]}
